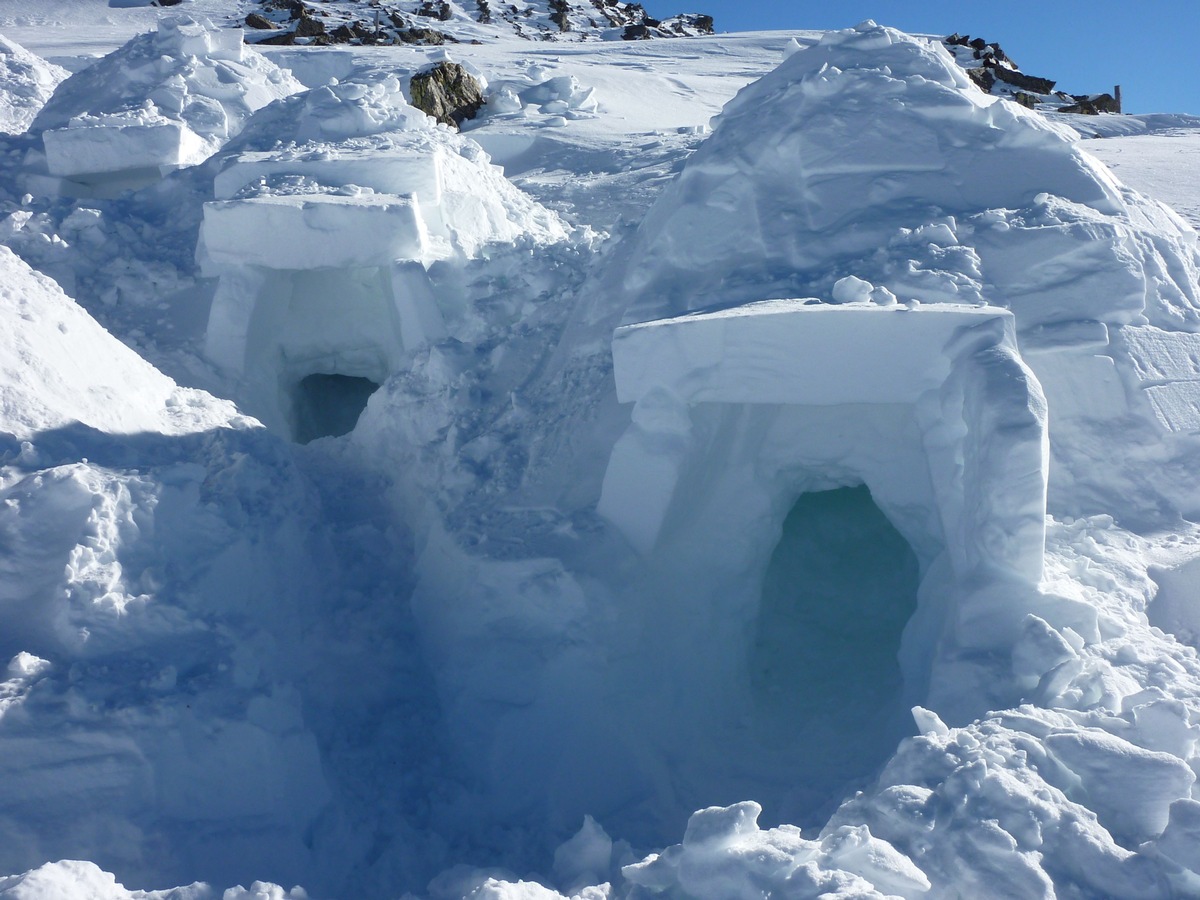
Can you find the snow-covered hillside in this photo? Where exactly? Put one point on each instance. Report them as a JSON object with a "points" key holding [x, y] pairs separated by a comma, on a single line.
{"points": [[733, 466]]}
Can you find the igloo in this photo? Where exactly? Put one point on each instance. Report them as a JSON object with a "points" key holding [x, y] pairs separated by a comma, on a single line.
{"points": [[165, 100], [329, 212], [851, 486]]}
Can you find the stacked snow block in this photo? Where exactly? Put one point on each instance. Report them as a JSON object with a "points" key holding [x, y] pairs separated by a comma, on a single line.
{"points": [[91, 146], [288, 205], [164, 100]]}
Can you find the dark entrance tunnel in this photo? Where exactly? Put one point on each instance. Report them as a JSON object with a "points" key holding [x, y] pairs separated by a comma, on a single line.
{"points": [[329, 405], [839, 589]]}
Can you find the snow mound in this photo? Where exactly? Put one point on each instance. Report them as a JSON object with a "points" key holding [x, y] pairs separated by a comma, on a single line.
{"points": [[872, 139], [59, 366], [401, 193], [26, 83], [165, 99]]}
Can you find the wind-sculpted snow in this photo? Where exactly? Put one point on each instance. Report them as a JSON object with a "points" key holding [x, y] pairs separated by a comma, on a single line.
{"points": [[870, 522]]}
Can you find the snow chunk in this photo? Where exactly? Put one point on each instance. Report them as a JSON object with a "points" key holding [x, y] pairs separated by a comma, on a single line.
{"points": [[1129, 788], [725, 854], [163, 100], [293, 231]]}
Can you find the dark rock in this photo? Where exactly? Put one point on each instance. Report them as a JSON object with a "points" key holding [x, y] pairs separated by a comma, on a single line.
{"points": [[286, 39], [983, 78], [704, 24], [1092, 105], [1024, 82], [254, 20], [977, 44], [343, 34], [636, 33], [1082, 108], [959, 40], [435, 9], [485, 12], [167, 2], [423, 36], [309, 27], [448, 92], [1105, 103], [397, 20], [1029, 101], [294, 8], [559, 10]]}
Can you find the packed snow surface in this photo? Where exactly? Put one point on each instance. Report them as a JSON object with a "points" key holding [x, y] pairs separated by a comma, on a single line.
{"points": [[805, 509]]}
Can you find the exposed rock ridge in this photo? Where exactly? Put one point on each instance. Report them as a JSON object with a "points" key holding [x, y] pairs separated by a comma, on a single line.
{"points": [[995, 72], [442, 21]]}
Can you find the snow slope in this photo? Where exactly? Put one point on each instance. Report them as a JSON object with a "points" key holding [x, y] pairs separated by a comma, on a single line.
{"points": [[847, 491], [28, 83]]}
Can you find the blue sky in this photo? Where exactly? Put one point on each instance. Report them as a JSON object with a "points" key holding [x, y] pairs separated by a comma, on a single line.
{"points": [[1150, 48]]}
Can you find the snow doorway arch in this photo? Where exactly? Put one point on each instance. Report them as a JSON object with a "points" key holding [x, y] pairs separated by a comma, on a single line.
{"points": [[824, 661], [328, 405], [739, 416], [311, 345]]}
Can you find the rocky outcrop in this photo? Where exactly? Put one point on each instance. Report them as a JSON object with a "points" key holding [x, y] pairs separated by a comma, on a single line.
{"points": [[330, 24], [560, 14], [983, 78], [448, 93], [1020, 80], [309, 26], [439, 10], [1092, 105], [994, 72], [390, 21]]}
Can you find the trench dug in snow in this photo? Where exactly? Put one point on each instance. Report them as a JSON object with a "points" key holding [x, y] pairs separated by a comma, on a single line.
{"points": [[839, 589]]}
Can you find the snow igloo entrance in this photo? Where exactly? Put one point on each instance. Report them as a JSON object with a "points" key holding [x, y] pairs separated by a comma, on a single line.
{"points": [[328, 405], [813, 485], [839, 589], [311, 346]]}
